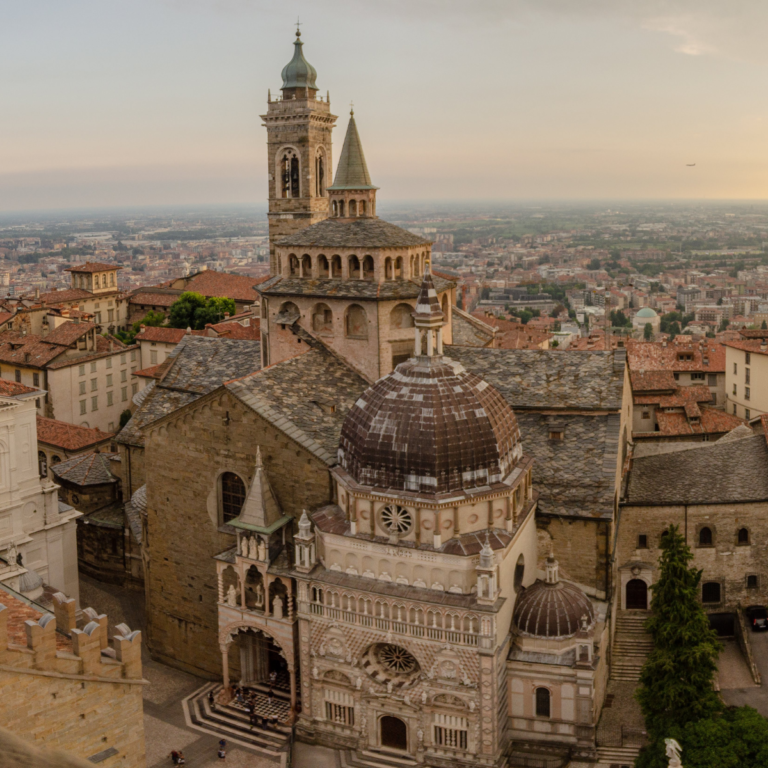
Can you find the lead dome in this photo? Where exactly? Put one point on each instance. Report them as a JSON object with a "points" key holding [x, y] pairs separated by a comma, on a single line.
{"points": [[430, 426]]}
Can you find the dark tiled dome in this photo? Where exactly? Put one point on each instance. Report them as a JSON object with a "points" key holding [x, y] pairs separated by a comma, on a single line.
{"points": [[551, 608], [430, 427]]}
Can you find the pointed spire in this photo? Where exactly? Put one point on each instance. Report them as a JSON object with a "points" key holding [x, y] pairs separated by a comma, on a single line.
{"points": [[486, 554], [427, 304], [260, 508], [552, 570], [352, 171], [305, 525]]}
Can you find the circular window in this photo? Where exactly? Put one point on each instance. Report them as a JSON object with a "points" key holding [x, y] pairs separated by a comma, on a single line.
{"points": [[396, 659], [75, 498], [397, 520]]}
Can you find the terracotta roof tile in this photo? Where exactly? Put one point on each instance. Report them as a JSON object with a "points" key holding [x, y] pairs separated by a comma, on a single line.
{"points": [[92, 266], [654, 356], [19, 612], [154, 299], [164, 335], [13, 389], [70, 294], [67, 333], [237, 287], [68, 437], [153, 372], [29, 350]]}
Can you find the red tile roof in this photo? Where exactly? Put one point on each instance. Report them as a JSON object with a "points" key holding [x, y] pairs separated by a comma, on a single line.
{"points": [[104, 346], [29, 350], [154, 299], [5, 317], [18, 614], [682, 396], [69, 437], [712, 421], [654, 356], [233, 330], [70, 294], [13, 389], [92, 266], [237, 287], [164, 335], [153, 372], [68, 333], [747, 345], [652, 381]]}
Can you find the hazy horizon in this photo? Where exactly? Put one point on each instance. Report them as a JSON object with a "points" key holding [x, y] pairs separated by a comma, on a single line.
{"points": [[157, 102]]}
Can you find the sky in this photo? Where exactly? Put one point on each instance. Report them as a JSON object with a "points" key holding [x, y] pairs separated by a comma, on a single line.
{"points": [[108, 103]]}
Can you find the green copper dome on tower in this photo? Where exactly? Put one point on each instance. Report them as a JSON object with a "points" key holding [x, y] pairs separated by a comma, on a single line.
{"points": [[298, 72], [352, 171]]}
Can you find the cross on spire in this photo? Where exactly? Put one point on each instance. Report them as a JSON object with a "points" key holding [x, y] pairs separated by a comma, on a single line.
{"points": [[352, 108], [298, 26]]}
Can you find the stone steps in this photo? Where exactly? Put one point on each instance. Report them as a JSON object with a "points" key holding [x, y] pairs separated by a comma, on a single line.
{"points": [[232, 724], [375, 759], [616, 757]]}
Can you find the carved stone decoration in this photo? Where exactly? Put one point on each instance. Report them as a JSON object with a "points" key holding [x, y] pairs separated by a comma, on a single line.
{"points": [[244, 546], [252, 548], [232, 595], [277, 607], [262, 550]]}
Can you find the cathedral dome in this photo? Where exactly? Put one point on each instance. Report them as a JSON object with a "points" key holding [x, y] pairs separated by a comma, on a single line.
{"points": [[298, 72], [552, 608], [430, 427]]}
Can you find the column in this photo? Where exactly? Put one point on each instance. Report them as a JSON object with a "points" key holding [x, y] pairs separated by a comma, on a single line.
{"points": [[292, 678], [225, 664]]}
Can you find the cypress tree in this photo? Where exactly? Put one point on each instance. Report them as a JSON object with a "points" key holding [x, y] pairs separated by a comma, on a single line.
{"points": [[676, 683]]}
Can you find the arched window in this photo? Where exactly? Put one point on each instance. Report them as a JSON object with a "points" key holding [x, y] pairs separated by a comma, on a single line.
{"points": [[519, 572], [288, 310], [543, 698], [354, 267], [387, 268], [306, 265], [323, 266], [357, 322], [320, 174], [293, 260], [705, 537], [341, 208], [322, 318], [368, 268], [399, 268], [279, 264], [104, 280], [743, 536], [336, 266], [413, 266], [232, 496], [42, 463], [353, 207], [710, 592], [401, 317], [55, 459], [361, 208], [335, 208], [289, 174], [111, 278]]}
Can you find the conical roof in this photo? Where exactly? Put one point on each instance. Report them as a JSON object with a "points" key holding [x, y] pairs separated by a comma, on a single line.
{"points": [[298, 72], [427, 303], [261, 509], [352, 171]]}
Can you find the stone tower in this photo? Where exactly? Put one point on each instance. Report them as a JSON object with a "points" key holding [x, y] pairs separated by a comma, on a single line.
{"points": [[299, 126]]}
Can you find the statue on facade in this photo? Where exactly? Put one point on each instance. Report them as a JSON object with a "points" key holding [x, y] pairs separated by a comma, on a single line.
{"points": [[673, 753], [11, 555], [244, 546], [277, 607], [259, 594], [262, 546], [232, 595], [252, 548]]}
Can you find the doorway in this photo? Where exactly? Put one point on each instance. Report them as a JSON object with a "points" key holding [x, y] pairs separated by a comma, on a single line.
{"points": [[394, 733], [637, 595]]}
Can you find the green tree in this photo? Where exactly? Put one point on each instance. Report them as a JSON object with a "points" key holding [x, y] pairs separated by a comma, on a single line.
{"points": [[764, 326], [594, 265], [676, 683], [213, 311], [125, 417], [724, 324], [182, 314], [648, 332]]}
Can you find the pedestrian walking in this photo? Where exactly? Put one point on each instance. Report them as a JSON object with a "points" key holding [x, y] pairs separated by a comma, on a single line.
{"points": [[222, 750], [174, 757], [254, 720], [182, 760], [212, 700]]}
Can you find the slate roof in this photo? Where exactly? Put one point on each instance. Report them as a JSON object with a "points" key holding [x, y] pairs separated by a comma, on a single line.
{"points": [[297, 396], [354, 289], [539, 378], [195, 367], [92, 266], [715, 473], [68, 437], [364, 233], [468, 331], [352, 170], [90, 469]]}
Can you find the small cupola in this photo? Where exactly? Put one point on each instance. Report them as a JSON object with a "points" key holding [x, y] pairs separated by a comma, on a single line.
{"points": [[352, 195], [299, 76]]}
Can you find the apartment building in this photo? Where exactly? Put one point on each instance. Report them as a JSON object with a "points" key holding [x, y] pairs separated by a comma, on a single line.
{"points": [[746, 374], [86, 377]]}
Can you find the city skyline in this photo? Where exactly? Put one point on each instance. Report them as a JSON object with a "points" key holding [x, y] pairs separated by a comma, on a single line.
{"points": [[158, 103]]}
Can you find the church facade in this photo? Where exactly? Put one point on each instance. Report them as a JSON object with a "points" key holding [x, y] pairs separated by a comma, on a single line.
{"points": [[409, 537]]}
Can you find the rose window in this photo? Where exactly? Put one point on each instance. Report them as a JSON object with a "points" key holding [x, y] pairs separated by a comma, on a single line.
{"points": [[397, 520], [396, 659]]}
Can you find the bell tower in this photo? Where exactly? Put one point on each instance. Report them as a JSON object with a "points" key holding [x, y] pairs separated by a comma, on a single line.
{"points": [[299, 125]]}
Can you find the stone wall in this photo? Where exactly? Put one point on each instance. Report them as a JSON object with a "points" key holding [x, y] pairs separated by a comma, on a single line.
{"points": [[101, 550], [186, 454], [725, 561], [59, 692]]}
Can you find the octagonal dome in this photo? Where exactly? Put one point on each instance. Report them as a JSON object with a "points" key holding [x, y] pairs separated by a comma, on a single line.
{"points": [[552, 608], [431, 427]]}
